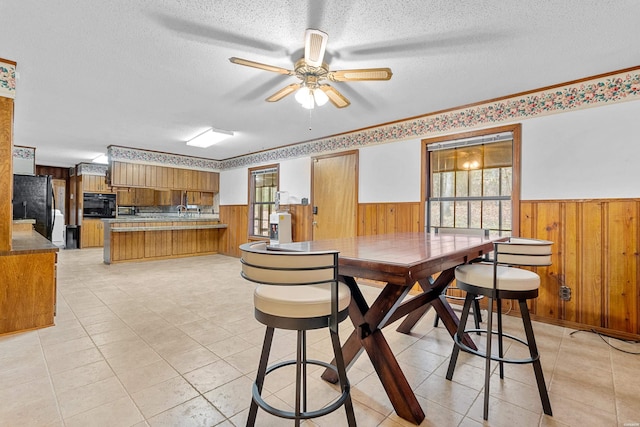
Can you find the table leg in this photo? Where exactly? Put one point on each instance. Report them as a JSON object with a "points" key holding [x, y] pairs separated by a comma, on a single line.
{"points": [[367, 335], [440, 304]]}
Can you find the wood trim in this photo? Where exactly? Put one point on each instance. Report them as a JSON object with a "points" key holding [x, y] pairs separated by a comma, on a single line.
{"points": [[425, 173], [275, 166], [6, 172]]}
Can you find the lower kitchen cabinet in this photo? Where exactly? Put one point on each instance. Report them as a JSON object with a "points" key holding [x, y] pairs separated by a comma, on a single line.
{"points": [[91, 233]]}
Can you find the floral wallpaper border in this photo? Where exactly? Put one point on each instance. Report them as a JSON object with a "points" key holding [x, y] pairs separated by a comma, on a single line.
{"points": [[592, 93], [91, 169], [609, 89], [125, 154], [7, 80], [27, 153]]}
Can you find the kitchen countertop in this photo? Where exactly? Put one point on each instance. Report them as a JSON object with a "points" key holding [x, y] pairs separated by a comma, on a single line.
{"points": [[160, 219], [166, 227], [29, 243], [24, 221]]}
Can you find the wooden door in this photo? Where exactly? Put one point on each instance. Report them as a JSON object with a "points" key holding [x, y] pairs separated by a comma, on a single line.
{"points": [[335, 195]]}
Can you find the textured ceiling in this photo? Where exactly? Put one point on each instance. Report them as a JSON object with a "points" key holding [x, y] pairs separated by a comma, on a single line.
{"points": [[151, 74]]}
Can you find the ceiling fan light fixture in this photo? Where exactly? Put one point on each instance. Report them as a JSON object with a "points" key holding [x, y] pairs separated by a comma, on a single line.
{"points": [[309, 98], [320, 97], [209, 137]]}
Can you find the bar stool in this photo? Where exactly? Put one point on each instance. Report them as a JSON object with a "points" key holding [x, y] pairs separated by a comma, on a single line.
{"points": [[498, 280], [306, 295]]}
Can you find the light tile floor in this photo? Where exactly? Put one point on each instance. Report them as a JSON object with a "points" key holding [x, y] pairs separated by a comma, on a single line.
{"points": [[175, 343]]}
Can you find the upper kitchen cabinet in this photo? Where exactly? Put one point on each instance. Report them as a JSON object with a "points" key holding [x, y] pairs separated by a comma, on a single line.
{"points": [[127, 174], [162, 177], [94, 184]]}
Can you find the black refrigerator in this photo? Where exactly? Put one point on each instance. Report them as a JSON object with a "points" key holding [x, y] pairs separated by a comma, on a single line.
{"points": [[32, 199]]}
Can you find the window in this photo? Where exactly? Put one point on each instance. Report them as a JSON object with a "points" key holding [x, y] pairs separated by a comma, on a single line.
{"points": [[263, 185], [471, 182]]}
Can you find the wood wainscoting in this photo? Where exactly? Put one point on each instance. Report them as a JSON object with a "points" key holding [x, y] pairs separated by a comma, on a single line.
{"points": [[385, 218], [237, 231], [596, 255]]}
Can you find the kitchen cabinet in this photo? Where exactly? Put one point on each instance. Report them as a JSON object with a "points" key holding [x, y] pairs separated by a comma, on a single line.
{"points": [[94, 184], [206, 198], [193, 198], [127, 174], [136, 197], [202, 198], [123, 174], [92, 233], [168, 198]]}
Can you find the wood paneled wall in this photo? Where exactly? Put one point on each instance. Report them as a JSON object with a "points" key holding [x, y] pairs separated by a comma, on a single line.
{"points": [[596, 255], [384, 218], [237, 232]]}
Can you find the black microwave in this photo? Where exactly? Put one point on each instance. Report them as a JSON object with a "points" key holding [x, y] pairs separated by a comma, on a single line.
{"points": [[99, 205]]}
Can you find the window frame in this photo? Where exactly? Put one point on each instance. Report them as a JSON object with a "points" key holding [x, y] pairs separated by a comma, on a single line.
{"points": [[251, 198], [425, 182]]}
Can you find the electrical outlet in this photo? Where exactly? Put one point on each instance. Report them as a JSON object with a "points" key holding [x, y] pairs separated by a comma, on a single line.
{"points": [[565, 293]]}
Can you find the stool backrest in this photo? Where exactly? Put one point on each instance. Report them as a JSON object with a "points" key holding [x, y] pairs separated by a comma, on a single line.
{"points": [[459, 230], [279, 267], [524, 252]]}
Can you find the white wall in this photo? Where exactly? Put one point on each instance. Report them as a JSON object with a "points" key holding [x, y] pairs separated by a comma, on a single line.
{"points": [[592, 153], [295, 177], [390, 172], [234, 187]]}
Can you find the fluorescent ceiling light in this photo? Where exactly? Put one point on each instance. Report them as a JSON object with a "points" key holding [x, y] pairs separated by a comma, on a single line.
{"points": [[209, 137], [103, 159]]}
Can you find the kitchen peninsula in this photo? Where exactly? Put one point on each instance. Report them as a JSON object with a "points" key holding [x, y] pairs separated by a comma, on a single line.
{"points": [[149, 238]]}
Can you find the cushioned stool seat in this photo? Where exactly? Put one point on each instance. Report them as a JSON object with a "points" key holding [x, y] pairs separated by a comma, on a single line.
{"points": [[508, 279], [299, 301]]}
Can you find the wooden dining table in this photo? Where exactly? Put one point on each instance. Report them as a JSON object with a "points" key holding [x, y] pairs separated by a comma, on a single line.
{"points": [[399, 261]]}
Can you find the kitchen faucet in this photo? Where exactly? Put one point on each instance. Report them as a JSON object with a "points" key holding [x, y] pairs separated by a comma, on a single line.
{"points": [[181, 209]]}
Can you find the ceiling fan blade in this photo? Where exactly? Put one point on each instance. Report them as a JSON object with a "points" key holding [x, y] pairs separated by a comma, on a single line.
{"points": [[287, 90], [261, 66], [334, 96], [360, 75], [315, 43]]}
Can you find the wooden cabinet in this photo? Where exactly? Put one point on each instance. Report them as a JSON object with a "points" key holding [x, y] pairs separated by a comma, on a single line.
{"points": [[124, 197], [123, 174], [206, 198], [136, 197], [168, 198], [127, 174], [193, 198], [162, 239], [92, 233], [94, 184], [203, 198]]}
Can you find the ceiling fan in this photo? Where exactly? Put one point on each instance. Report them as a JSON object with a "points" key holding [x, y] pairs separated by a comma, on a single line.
{"points": [[313, 72]]}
